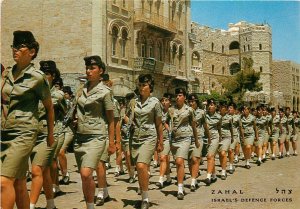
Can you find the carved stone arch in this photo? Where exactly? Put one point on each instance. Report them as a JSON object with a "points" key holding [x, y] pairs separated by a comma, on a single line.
{"points": [[119, 24], [180, 49], [125, 28], [195, 58]]}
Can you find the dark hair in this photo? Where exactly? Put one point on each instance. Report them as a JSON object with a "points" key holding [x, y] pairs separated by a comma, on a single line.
{"points": [[147, 78], [193, 96]]}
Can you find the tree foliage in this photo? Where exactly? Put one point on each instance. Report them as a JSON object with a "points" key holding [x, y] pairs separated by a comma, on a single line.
{"points": [[246, 79]]}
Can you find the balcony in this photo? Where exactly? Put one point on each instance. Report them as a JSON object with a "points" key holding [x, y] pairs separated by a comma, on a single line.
{"points": [[154, 20], [151, 64], [192, 37]]}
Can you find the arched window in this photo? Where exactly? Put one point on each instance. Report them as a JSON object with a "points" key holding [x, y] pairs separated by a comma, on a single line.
{"points": [[115, 32], [143, 47], [151, 48], [212, 69], [234, 45], [234, 68], [195, 59], [124, 40]]}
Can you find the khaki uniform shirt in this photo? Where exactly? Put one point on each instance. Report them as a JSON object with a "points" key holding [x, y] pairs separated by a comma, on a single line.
{"points": [[226, 125], [213, 121], [60, 107], [200, 121], [144, 118], [236, 123], [21, 98], [248, 125], [91, 109], [284, 123], [262, 125], [182, 120], [164, 120], [275, 124]]}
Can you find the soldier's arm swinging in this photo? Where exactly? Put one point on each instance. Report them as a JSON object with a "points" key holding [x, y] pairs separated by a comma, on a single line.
{"points": [[50, 119]]}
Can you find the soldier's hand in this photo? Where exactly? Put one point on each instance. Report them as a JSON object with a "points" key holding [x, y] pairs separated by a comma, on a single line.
{"points": [[118, 146], [111, 148]]}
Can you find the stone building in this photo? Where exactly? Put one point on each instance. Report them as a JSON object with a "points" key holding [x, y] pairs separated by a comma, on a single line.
{"points": [[219, 53], [286, 80], [132, 37]]}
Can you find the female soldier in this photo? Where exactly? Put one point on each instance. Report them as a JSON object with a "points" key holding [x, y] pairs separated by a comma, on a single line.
{"points": [[183, 127], [22, 88], [146, 132], [248, 134], [291, 128], [262, 131], [165, 154], [227, 137], [265, 147], [295, 133], [194, 152], [284, 131], [42, 156], [125, 136], [236, 124], [94, 108], [275, 127], [213, 120]]}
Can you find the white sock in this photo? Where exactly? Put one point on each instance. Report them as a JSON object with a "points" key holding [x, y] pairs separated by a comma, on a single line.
{"points": [[155, 162], [180, 188], [100, 192], [161, 179], [259, 158], [50, 204], [145, 196], [287, 153], [32, 206], [193, 182], [90, 205], [264, 156], [105, 192], [230, 166], [247, 162], [279, 153], [295, 151], [213, 176], [223, 172], [236, 157], [169, 177], [208, 175]]}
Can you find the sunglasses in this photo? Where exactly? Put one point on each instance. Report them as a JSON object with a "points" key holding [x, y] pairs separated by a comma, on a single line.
{"points": [[18, 47]]}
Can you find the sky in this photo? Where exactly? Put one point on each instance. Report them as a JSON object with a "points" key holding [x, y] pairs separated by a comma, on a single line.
{"points": [[282, 16]]}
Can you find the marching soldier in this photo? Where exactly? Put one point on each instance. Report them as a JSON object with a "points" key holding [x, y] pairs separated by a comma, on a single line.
{"points": [[22, 88]]}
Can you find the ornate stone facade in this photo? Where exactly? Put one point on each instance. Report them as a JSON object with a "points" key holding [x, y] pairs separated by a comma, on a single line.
{"points": [[286, 75], [219, 53]]}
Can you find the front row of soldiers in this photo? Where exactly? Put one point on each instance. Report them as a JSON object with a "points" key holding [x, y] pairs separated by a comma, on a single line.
{"points": [[38, 122]]}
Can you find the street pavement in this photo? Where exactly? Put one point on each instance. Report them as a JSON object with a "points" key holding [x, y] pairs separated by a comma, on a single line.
{"points": [[273, 185]]}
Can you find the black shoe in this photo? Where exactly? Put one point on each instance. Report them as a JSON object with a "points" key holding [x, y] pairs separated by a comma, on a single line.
{"points": [[119, 173], [65, 180], [231, 171], [273, 158], [223, 177], [180, 196], [280, 157], [236, 161], [247, 166], [167, 183], [207, 181], [159, 185], [100, 200], [145, 205], [264, 160], [155, 165], [258, 162], [194, 187], [139, 191], [202, 162], [295, 154], [213, 180]]}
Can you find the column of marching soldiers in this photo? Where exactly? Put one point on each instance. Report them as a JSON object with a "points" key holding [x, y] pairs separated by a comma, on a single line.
{"points": [[175, 130]]}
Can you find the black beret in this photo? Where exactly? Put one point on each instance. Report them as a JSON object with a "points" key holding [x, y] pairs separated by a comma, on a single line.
{"points": [[129, 96], [58, 81], [167, 96], [67, 89], [193, 97], [48, 66], [232, 104], [211, 101], [23, 37], [272, 109], [105, 77], [223, 103], [143, 78], [180, 91], [94, 60]]}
